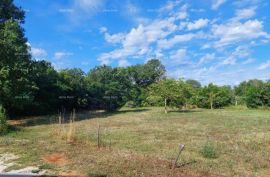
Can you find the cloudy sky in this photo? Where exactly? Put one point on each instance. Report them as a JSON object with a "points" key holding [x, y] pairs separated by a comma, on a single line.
{"points": [[220, 41]]}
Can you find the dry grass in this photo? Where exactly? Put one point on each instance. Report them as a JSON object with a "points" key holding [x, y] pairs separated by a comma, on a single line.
{"points": [[144, 142]]}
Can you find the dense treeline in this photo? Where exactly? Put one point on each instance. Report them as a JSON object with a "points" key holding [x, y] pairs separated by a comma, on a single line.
{"points": [[30, 87]]}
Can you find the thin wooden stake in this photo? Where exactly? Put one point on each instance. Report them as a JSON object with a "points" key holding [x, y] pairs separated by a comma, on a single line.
{"points": [[181, 148]]}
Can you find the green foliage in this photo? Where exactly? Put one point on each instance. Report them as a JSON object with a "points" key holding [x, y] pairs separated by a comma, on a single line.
{"points": [[265, 94], [8, 10], [193, 83], [73, 93], [141, 76], [253, 97], [108, 87], [3, 121], [213, 96], [154, 101], [174, 93], [208, 150]]}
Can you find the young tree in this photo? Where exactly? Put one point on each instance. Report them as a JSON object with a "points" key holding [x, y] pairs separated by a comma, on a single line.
{"points": [[170, 90], [212, 96]]}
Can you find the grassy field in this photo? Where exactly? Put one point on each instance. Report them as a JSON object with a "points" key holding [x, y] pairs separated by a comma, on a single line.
{"points": [[145, 142]]}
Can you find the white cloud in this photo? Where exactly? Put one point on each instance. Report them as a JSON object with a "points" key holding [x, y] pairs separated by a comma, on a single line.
{"points": [[123, 63], [248, 61], [170, 5], [179, 57], [103, 29], [217, 3], [38, 53], [197, 24], [168, 43], [138, 40], [233, 32], [60, 55], [115, 38], [244, 3], [244, 13], [265, 65], [182, 14], [231, 60], [207, 57]]}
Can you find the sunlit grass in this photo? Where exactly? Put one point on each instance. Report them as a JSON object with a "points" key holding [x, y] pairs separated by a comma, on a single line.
{"points": [[240, 140]]}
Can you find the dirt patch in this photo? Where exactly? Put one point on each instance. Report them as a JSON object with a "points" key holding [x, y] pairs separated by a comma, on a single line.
{"points": [[55, 158], [267, 173]]}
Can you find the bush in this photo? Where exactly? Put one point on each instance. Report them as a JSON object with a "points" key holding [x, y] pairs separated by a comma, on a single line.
{"points": [[208, 151], [3, 121]]}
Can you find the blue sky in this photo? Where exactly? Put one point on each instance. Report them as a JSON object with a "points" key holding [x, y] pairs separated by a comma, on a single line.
{"points": [[220, 41]]}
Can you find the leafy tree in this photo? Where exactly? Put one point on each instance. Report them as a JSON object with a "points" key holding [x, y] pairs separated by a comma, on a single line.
{"points": [[73, 88], [193, 83], [248, 92], [45, 96], [170, 90], [265, 94], [212, 96], [141, 76], [15, 60], [9, 11], [108, 87]]}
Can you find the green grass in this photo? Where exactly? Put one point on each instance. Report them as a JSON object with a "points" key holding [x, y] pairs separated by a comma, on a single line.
{"points": [[225, 142]]}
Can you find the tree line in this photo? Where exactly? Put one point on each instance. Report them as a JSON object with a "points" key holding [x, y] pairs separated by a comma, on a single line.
{"points": [[30, 87]]}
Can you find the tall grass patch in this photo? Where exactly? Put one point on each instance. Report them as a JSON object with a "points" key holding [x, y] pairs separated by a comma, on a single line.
{"points": [[209, 151]]}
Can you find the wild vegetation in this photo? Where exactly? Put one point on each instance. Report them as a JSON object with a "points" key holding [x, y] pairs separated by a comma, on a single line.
{"points": [[30, 87], [224, 142]]}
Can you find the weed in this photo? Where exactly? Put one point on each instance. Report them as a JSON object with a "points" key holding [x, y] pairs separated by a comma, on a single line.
{"points": [[208, 150]]}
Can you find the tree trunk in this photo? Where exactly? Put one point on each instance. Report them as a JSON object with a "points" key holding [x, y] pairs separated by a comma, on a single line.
{"points": [[211, 100], [165, 105]]}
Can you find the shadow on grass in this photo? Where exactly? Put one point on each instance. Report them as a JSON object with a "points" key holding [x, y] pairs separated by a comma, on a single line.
{"points": [[82, 115], [186, 111]]}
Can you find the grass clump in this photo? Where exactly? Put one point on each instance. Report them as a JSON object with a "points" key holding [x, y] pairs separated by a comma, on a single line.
{"points": [[208, 150]]}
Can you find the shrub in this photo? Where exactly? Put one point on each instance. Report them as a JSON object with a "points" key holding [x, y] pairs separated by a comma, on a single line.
{"points": [[208, 151], [3, 121]]}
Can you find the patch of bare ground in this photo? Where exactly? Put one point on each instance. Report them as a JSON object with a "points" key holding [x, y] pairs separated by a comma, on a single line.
{"points": [[267, 173], [55, 158]]}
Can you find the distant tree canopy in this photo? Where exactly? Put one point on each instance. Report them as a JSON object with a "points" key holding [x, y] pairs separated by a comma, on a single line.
{"points": [[30, 87]]}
